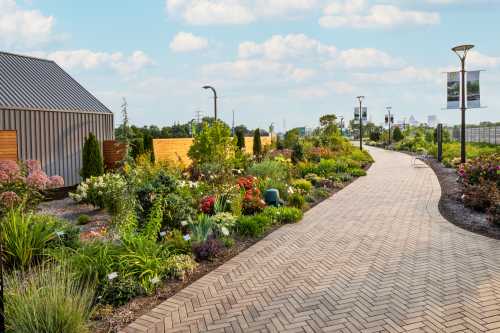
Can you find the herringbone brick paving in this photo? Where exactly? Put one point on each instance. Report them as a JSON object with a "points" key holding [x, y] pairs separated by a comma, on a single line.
{"points": [[376, 257]]}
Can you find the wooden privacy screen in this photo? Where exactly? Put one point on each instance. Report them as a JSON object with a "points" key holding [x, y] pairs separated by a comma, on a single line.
{"points": [[113, 152], [176, 150], [8, 145]]}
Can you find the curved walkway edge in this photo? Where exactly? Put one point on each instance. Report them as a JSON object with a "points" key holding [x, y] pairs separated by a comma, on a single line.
{"points": [[376, 257]]}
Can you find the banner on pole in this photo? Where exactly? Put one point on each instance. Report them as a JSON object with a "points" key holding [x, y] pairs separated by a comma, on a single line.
{"points": [[365, 114], [473, 92], [453, 88]]}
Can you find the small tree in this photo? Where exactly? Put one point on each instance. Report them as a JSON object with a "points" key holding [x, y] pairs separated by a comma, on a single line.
{"points": [[257, 144], [375, 136], [397, 135], [92, 164], [213, 144], [240, 139]]}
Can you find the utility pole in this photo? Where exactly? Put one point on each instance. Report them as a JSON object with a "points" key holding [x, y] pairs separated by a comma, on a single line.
{"points": [[360, 99]]}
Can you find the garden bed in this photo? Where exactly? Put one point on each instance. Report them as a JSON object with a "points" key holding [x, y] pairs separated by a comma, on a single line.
{"points": [[452, 208], [120, 317]]}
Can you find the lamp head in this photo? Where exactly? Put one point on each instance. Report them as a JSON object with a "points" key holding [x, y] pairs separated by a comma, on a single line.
{"points": [[462, 50], [360, 98], [206, 87]]}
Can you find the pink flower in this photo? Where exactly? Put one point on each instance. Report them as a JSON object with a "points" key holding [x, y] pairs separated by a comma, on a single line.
{"points": [[37, 179], [33, 165], [4, 177], [55, 182], [11, 169], [9, 199]]}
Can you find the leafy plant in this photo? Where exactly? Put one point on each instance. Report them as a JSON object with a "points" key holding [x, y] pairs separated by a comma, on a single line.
{"points": [[297, 152], [45, 300], [212, 144], [92, 164], [240, 139], [252, 226], [207, 249], [283, 215], [24, 241], [296, 200], [202, 229]]}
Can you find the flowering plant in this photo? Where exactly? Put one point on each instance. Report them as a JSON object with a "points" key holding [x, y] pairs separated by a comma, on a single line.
{"points": [[207, 204], [104, 191], [252, 201], [24, 182], [247, 183]]}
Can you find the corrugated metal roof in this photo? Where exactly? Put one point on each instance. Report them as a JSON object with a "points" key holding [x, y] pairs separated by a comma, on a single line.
{"points": [[33, 83]]}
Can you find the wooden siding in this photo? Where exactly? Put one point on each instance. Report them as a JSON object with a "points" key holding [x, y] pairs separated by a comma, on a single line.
{"points": [[113, 152], [8, 145], [56, 138], [176, 150]]}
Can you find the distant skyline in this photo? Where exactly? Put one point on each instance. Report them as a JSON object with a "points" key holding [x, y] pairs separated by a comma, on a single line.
{"points": [[272, 61]]}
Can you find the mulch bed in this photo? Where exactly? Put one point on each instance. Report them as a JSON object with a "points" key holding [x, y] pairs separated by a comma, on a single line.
{"points": [[452, 208]]}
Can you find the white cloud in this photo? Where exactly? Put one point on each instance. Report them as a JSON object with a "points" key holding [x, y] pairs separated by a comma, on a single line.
{"points": [[363, 58], [87, 59], [284, 47], [187, 42], [224, 12], [344, 7], [477, 59], [258, 69], [377, 16], [23, 27]]}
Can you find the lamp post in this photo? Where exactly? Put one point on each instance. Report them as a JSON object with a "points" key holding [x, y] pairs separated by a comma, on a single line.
{"points": [[360, 99], [215, 100], [461, 51], [388, 119]]}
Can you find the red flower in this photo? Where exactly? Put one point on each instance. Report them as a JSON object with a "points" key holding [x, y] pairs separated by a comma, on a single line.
{"points": [[207, 204]]}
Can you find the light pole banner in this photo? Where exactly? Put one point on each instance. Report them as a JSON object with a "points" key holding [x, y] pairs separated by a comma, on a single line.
{"points": [[473, 94], [365, 113], [453, 90]]}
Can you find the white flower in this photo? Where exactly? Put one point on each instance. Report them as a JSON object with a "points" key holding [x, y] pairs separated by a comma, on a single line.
{"points": [[163, 234], [60, 233], [184, 223], [187, 237], [154, 280], [112, 276], [224, 231]]}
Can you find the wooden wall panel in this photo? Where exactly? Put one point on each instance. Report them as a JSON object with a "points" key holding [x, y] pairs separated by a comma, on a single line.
{"points": [[8, 145], [113, 153], [176, 150]]}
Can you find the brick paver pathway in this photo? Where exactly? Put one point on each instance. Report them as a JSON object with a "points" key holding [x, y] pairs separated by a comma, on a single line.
{"points": [[377, 257]]}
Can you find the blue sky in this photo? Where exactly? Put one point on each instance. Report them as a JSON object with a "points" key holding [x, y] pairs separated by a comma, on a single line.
{"points": [[270, 60]]}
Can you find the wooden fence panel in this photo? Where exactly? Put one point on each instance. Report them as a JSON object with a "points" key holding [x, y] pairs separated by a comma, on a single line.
{"points": [[113, 152], [8, 145], [176, 150]]}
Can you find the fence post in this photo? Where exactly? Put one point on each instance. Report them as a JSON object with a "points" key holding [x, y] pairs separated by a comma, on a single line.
{"points": [[440, 142]]}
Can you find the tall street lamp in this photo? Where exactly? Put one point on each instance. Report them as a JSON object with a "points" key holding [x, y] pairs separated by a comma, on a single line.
{"points": [[215, 100], [389, 118], [461, 51], [360, 99]]}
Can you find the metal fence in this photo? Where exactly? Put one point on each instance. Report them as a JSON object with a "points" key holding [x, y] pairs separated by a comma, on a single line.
{"points": [[478, 134]]}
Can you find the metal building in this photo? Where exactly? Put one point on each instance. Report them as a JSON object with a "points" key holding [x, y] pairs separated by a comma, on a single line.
{"points": [[51, 113]]}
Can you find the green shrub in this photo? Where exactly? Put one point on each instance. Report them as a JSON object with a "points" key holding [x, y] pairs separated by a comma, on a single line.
{"points": [[83, 219], [283, 215], [270, 169], [303, 185], [46, 300], [297, 152], [92, 164], [296, 200], [253, 225], [118, 291], [397, 135], [176, 243], [356, 172], [257, 144], [320, 193], [24, 240]]}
